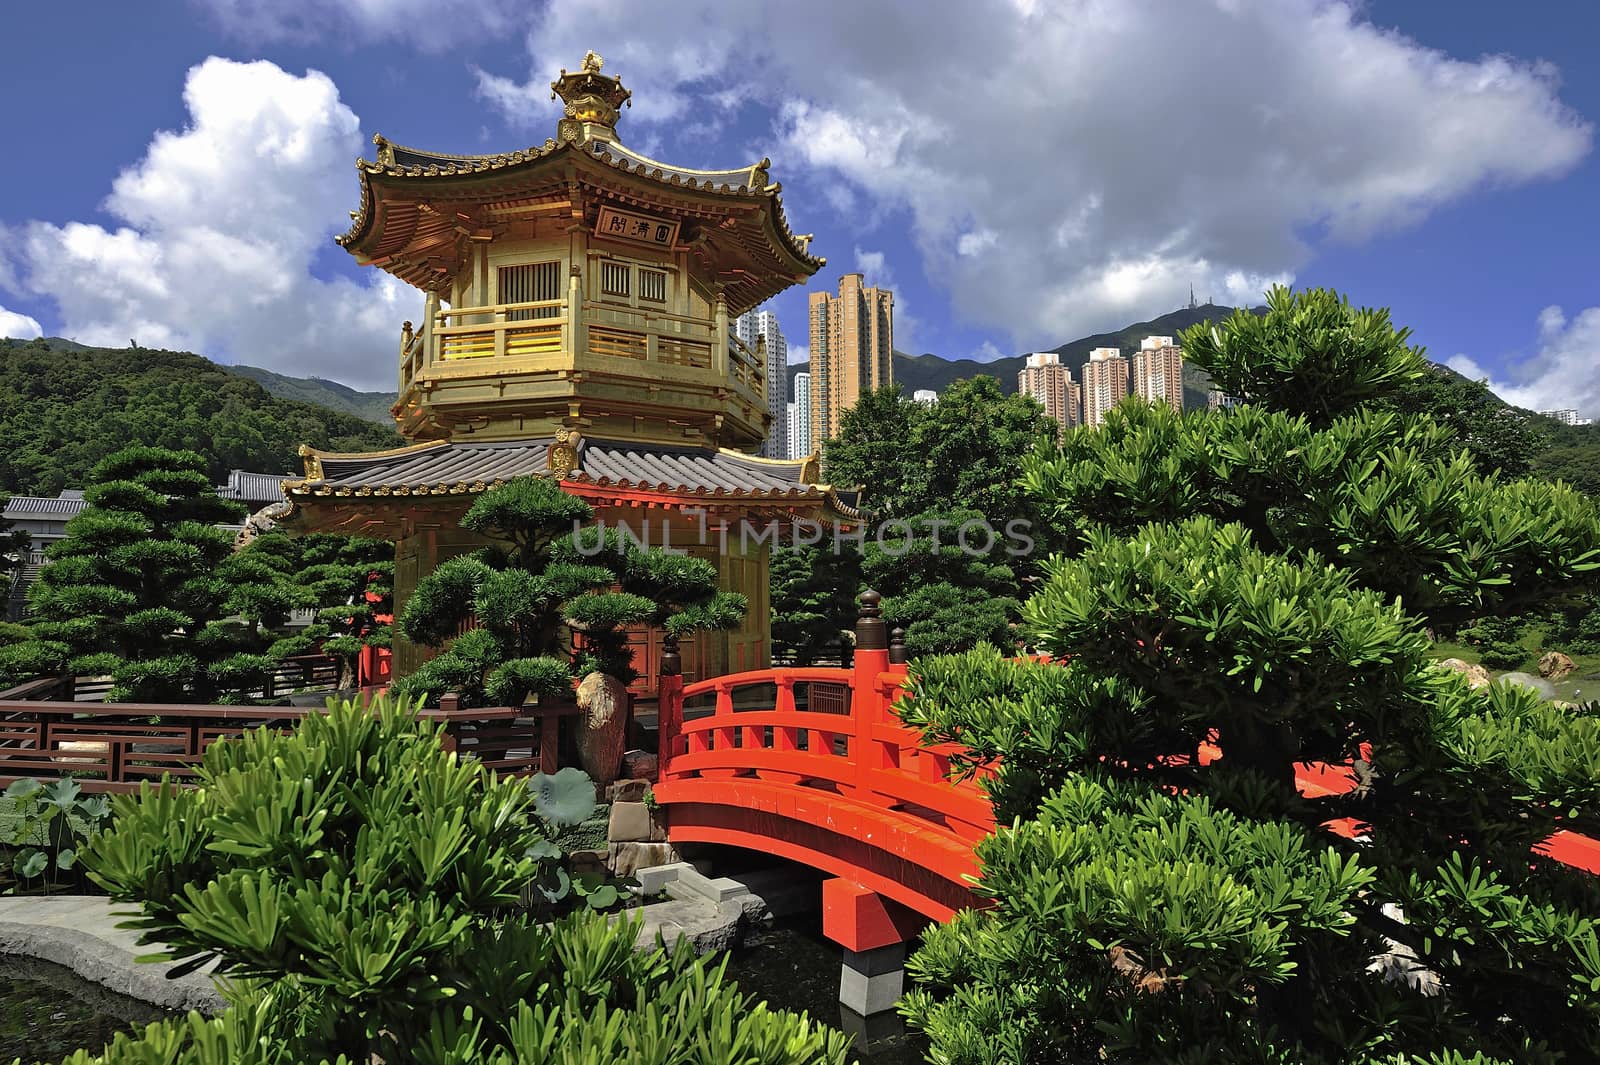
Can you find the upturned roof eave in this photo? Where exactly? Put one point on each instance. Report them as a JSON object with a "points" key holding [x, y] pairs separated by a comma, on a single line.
{"points": [[751, 187]]}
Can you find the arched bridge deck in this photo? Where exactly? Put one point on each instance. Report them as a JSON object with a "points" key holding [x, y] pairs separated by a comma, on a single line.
{"points": [[781, 763]]}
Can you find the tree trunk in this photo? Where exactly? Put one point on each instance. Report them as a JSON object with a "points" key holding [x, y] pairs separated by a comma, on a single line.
{"points": [[602, 726]]}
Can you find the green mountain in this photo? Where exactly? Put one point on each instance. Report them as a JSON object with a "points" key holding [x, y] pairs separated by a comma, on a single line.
{"points": [[373, 406], [914, 372], [64, 406]]}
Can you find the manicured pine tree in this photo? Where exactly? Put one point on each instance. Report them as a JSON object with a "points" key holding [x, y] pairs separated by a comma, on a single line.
{"points": [[527, 596], [347, 580], [145, 587], [1260, 579]]}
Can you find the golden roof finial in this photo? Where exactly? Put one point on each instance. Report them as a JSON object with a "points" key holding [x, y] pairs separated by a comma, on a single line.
{"points": [[594, 101]]}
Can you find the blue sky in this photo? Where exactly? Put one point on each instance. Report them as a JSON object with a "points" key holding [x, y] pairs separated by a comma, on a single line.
{"points": [[1022, 172]]}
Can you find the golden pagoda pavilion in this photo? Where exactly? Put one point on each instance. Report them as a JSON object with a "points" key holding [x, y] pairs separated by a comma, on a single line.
{"points": [[578, 300]]}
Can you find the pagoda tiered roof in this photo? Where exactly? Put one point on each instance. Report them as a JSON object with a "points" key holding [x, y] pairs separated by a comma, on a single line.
{"points": [[421, 210], [689, 476]]}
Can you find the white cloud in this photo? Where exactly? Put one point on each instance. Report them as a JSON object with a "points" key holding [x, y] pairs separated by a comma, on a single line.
{"points": [[987, 352], [1564, 374], [429, 25], [799, 353], [1258, 128], [975, 242], [19, 326], [219, 226]]}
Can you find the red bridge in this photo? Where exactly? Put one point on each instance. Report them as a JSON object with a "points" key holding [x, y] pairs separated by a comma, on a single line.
{"points": [[811, 765]]}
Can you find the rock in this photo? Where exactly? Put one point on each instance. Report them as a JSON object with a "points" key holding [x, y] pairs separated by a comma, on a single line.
{"points": [[589, 861], [629, 858], [627, 791], [630, 823], [639, 765], [1477, 676], [1555, 665], [602, 726], [1544, 688], [636, 822]]}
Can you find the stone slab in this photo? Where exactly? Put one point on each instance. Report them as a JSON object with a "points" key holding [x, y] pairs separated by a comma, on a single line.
{"points": [[628, 858], [80, 933], [630, 823]]}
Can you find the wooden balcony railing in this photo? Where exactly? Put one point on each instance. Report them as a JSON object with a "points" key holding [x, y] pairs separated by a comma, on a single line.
{"points": [[112, 747], [501, 330], [455, 335]]}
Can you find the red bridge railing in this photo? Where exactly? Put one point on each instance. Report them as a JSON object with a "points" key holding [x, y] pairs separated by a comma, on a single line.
{"points": [[812, 764]]}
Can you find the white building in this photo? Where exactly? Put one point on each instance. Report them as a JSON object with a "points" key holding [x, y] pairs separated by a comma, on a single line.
{"points": [[1158, 372], [759, 325], [1567, 416], [926, 396], [1105, 383], [800, 418]]}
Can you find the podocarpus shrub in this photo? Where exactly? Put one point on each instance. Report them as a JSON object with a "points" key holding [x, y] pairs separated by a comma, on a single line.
{"points": [[1262, 579], [1156, 909], [362, 885], [539, 584]]}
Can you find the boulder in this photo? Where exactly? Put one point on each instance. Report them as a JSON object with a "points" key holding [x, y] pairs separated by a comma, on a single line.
{"points": [[602, 726], [1545, 689], [629, 858], [629, 790], [1477, 676], [1555, 665]]}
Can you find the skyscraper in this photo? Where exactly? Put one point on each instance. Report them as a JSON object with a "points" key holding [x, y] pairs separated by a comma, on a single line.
{"points": [[1045, 379], [763, 325], [800, 418], [1105, 383], [1158, 372], [852, 350]]}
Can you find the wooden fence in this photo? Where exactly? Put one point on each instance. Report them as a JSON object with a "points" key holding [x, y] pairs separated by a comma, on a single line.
{"points": [[112, 747]]}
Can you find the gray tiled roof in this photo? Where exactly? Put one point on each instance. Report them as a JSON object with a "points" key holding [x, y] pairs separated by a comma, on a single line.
{"points": [[260, 488], [471, 467], [53, 506]]}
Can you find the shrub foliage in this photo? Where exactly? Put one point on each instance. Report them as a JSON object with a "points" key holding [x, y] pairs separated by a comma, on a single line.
{"points": [[361, 885], [1260, 581]]}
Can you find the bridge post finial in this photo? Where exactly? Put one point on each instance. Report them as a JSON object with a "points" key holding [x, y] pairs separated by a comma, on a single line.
{"points": [[671, 660], [669, 704], [870, 632], [897, 646]]}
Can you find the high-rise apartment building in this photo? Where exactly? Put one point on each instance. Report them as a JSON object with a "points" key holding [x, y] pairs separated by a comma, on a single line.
{"points": [[1567, 416], [1158, 372], [761, 325], [800, 418], [1045, 379], [926, 396], [1105, 383], [852, 350]]}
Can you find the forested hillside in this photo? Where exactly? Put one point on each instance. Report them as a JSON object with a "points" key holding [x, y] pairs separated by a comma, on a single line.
{"points": [[320, 392], [64, 406]]}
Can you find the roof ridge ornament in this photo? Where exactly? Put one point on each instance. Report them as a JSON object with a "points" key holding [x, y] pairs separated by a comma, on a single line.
{"points": [[594, 102]]}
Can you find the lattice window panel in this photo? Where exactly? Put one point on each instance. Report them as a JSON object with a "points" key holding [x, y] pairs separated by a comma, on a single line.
{"points": [[530, 283]]}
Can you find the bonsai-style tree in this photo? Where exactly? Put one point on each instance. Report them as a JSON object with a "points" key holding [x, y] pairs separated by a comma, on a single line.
{"points": [[1254, 579], [363, 889], [546, 580], [940, 481], [347, 580], [146, 587]]}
